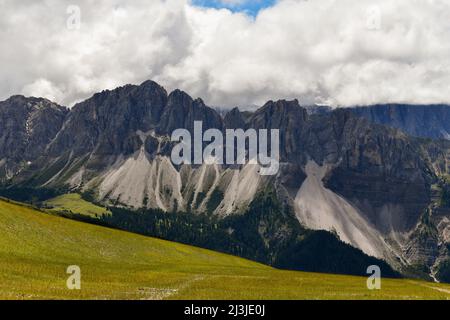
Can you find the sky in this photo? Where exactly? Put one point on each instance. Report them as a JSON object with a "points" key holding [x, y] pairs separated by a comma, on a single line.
{"points": [[250, 7], [229, 52]]}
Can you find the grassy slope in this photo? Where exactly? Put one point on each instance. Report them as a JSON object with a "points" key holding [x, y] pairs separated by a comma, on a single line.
{"points": [[36, 248], [73, 203]]}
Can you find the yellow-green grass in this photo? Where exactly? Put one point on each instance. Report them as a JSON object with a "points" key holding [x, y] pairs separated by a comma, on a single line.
{"points": [[36, 249], [74, 203]]}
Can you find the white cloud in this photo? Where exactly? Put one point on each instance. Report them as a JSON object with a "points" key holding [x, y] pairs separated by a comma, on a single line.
{"points": [[43, 88], [341, 52]]}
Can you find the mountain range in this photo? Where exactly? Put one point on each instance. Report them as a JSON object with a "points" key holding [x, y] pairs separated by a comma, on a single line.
{"points": [[367, 184]]}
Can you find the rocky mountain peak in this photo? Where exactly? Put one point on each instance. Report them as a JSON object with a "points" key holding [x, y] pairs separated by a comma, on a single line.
{"points": [[108, 121], [27, 127], [179, 98], [278, 114], [181, 111], [234, 119]]}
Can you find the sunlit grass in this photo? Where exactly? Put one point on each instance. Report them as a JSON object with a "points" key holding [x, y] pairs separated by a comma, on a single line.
{"points": [[75, 204], [36, 249]]}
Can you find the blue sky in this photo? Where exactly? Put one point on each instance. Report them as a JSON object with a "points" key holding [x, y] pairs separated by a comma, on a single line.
{"points": [[251, 7]]}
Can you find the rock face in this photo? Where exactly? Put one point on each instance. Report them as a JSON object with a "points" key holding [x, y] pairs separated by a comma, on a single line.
{"points": [[431, 121], [320, 208], [107, 123], [27, 126], [370, 184], [378, 169], [234, 119], [181, 112], [376, 186], [290, 119]]}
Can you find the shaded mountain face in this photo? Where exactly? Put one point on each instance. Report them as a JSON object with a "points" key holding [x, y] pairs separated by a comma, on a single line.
{"points": [[374, 168], [431, 121], [374, 186], [27, 126], [181, 111], [107, 123], [234, 119]]}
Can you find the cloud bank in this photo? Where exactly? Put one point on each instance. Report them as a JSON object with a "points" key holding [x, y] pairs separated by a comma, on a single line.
{"points": [[337, 52]]}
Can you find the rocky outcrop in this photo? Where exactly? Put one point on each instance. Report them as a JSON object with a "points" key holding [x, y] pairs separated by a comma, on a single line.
{"points": [[234, 119], [27, 126], [289, 118], [181, 111], [107, 123]]}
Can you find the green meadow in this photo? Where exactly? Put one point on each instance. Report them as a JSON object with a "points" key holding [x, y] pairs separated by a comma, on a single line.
{"points": [[36, 248], [73, 203]]}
